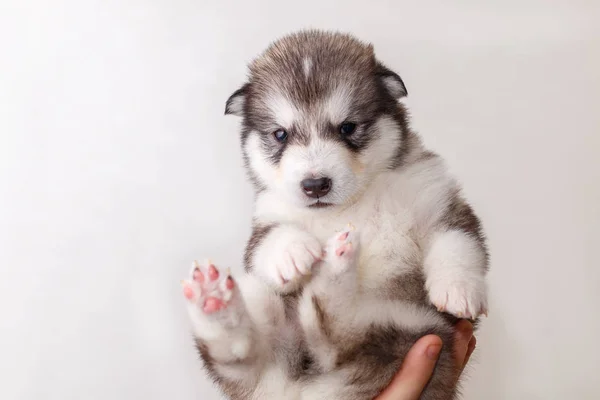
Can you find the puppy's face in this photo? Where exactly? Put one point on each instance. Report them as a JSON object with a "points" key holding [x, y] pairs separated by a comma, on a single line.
{"points": [[321, 118]]}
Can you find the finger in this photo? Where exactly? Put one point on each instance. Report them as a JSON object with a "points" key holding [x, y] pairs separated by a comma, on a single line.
{"points": [[462, 337], [416, 370], [470, 349]]}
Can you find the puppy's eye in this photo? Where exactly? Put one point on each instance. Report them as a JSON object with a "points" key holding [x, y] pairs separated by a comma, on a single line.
{"points": [[280, 135], [347, 128]]}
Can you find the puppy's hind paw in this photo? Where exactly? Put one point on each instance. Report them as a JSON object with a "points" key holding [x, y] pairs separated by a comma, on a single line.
{"points": [[209, 289], [342, 249]]}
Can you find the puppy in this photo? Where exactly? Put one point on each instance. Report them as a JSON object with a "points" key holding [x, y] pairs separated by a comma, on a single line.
{"points": [[328, 310]]}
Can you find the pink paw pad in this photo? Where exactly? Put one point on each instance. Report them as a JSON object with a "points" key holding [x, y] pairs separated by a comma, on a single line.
{"points": [[212, 304], [213, 274], [340, 251], [343, 244], [229, 283], [188, 292], [198, 275], [205, 288]]}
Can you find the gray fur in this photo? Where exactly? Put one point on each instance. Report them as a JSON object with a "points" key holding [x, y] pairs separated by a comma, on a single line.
{"points": [[258, 234], [339, 60]]}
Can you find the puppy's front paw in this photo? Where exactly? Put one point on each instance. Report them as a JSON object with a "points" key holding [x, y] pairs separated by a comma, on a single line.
{"points": [[465, 297], [286, 256], [456, 267]]}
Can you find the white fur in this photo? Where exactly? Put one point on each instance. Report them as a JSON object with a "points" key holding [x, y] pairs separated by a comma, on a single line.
{"points": [[321, 158], [401, 314], [310, 323], [328, 387], [262, 168], [336, 105], [276, 385], [284, 111], [263, 305], [307, 67], [397, 209], [373, 311], [203, 326], [454, 265], [240, 347], [382, 147]]}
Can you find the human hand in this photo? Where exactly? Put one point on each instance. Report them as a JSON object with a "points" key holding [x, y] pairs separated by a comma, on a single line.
{"points": [[409, 382]]}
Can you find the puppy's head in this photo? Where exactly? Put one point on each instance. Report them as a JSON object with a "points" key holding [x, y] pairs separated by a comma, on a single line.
{"points": [[320, 118]]}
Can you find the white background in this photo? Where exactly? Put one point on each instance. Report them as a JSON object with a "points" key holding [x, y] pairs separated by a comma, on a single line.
{"points": [[117, 168]]}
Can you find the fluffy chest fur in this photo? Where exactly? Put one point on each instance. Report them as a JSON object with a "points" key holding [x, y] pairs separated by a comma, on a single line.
{"points": [[394, 217]]}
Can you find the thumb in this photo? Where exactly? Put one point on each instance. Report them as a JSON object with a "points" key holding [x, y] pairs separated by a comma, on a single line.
{"points": [[415, 371]]}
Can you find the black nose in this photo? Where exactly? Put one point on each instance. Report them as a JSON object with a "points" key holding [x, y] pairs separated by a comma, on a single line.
{"points": [[316, 187]]}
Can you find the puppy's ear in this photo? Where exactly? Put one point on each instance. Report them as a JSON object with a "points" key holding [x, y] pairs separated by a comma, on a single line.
{"points": [[235, 102], [391, 81]]}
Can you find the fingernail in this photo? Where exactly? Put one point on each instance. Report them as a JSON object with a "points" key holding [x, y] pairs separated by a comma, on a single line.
{"points": [[472, 345], [433, 351]]}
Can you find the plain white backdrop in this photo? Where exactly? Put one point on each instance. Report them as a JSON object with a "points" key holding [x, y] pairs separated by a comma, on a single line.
{"points": [[117, 168]]}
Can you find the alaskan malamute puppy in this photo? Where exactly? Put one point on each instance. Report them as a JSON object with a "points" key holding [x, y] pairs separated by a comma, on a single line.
{"points": [[361, 244]]}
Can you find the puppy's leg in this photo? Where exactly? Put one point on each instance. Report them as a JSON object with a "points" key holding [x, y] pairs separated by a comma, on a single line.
{"points": [[225, 335], [328, 304], [337, 282]]}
